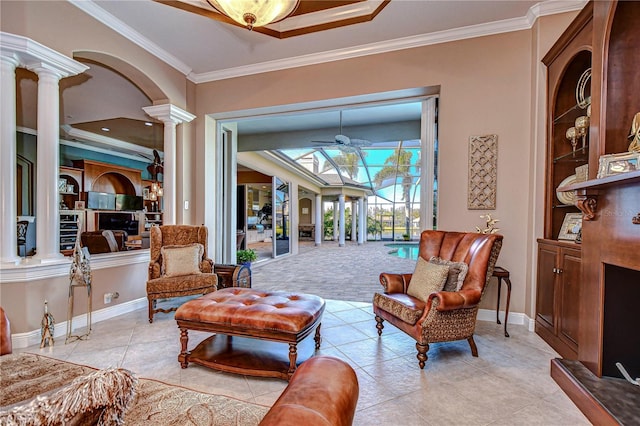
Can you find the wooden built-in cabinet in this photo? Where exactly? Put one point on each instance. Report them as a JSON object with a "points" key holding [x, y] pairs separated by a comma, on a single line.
{"points": [[559, 262], [607, 291], [557, 296]]}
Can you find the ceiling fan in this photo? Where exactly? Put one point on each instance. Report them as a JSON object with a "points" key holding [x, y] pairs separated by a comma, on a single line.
{"points": [[344, 142], [156, 167]]}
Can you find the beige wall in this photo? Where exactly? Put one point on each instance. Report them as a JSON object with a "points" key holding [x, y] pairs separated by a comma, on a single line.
{"points": [[24, 301]]}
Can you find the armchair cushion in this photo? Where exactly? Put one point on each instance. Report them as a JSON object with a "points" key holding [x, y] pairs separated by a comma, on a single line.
{"points": [[182, 259], [457, 273], [426, 279], [407, 308]]}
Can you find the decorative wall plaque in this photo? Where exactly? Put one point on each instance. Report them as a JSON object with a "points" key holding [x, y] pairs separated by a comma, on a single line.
{"points": [[483, 172]]}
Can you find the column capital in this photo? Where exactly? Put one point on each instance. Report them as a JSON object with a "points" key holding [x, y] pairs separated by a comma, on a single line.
{"points": [[169, 113], [9, 59], [33, 56]]}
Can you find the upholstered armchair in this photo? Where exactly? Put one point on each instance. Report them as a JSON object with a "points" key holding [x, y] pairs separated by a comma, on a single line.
{"points": [[179, 266], [447, 314]]}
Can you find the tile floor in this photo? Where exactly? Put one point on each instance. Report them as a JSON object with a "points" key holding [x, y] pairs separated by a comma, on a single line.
{"points": [[508, 384]]}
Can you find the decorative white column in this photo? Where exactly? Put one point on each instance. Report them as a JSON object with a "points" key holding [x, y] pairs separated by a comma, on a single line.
{"points": [[8, 208], [354, 221], [335, 221], [365, 211], [341, 224], [48, 198], [171, 116], [319, 221], [362, 219], [50, 66]]}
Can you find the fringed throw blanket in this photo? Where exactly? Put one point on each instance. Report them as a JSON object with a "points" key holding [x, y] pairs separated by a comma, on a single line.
{"points": [[38, 390]]}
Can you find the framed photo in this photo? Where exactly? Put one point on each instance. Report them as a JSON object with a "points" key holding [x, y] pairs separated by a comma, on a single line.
{"points": [[613, 164], [62, 185], [78, 205], [145, 193], [571, 226]]}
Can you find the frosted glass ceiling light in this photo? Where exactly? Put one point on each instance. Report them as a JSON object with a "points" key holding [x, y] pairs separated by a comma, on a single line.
{"points": [[255, 13]]}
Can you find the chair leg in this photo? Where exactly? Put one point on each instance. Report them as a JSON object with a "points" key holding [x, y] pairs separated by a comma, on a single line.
{"points": [[474, 349], [151, 303], [422, 353], [379, 325]]}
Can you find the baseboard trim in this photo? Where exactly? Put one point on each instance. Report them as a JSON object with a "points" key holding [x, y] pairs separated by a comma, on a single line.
{"points": [[514, 318], [30, 338]]}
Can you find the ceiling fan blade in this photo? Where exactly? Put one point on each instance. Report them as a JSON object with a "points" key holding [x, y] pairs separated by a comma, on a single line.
{"points": [[360, 142]]}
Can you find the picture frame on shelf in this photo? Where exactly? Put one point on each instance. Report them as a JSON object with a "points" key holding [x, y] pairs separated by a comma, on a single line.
{"points": [[571, 227], [78, 205], [62, 185], [145, 193], [613, 164]]}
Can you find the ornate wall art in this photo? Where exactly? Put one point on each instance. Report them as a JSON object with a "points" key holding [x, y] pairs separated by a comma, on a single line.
{"points": [[483, 172]]}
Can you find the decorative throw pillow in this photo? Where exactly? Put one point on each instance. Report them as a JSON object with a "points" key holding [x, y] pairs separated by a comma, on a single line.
{"points": [[427, 278], [457, 273], [181, 260]]}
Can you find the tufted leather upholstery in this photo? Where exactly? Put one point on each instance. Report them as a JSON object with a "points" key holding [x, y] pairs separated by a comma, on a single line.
{"points": [[447, 315], [323, 391], [5, 334], [254, 309]]}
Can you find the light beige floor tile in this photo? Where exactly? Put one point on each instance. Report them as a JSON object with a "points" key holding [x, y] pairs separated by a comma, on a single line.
{"points": [[392, 412]]}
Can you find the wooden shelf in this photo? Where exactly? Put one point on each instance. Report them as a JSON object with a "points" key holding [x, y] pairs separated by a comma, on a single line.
{"points": [[614, 180]]}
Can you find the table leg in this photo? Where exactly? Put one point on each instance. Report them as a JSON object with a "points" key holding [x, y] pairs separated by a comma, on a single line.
{"points": [[317, 337], [506, 313], [498, 304], [293, 356], [184, 354]]}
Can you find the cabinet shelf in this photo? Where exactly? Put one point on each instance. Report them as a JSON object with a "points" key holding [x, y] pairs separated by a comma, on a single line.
{"points": [[565, 117], [619, 179], [581, 155]]}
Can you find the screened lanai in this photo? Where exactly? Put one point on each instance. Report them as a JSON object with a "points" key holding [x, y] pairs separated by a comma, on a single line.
{"points": [[388, 171]]}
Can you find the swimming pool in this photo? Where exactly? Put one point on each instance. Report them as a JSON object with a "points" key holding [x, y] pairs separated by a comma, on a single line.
{"points": [[404, 250]]}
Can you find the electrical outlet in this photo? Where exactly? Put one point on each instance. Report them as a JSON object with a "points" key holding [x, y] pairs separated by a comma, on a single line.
{"points": [[107, 298]]}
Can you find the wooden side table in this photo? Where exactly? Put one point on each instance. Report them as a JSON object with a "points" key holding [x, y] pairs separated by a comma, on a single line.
{"points": [[501, 273]]}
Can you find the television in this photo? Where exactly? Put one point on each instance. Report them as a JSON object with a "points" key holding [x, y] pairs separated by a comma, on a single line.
{"points": [[119, 221], [126, 202], [101, 200]]}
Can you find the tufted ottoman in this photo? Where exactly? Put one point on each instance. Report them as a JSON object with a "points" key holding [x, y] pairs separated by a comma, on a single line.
{"points": [[250, 326]]}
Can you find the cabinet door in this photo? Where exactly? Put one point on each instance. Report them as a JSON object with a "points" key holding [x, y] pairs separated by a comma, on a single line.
{"points": [[545, 294], [569, 304]]}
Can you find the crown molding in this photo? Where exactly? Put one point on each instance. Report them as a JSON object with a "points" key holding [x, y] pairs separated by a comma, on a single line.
{"points": [[515, 24], [104, 17]]}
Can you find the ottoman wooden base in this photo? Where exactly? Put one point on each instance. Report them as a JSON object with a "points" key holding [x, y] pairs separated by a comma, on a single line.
{"points": [[251, 327]]}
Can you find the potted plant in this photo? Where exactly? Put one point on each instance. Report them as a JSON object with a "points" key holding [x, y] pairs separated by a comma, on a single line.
{"points": [[245, 257], [406, 237]]}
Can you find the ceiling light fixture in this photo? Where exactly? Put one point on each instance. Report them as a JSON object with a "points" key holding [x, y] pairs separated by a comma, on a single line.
{"points": [[146, 123], [105, 129], [255, 13]]}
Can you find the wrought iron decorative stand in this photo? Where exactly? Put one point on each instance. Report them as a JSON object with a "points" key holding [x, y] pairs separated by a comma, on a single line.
{"points": [[79, 276]]}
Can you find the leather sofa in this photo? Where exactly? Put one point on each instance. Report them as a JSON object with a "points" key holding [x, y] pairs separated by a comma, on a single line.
{"points": [[323, 391]]}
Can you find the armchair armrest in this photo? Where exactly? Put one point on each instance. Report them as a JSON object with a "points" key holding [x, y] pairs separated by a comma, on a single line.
{"points": [[206, 265], [452, 300], [154, 270], [395, 283]]}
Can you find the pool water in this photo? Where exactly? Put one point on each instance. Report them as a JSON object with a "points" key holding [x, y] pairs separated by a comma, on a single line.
{"points": [[404, 250]]}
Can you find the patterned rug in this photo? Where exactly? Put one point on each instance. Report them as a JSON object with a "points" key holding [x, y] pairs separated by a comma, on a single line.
{"points": [[24, 376]]}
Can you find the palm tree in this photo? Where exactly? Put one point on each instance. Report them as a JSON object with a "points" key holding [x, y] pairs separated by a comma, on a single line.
{"points": [[398, 165], [348, 162]]}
